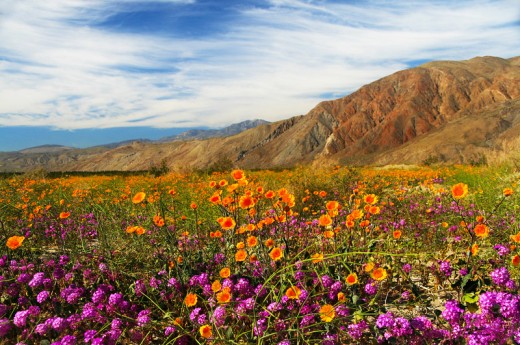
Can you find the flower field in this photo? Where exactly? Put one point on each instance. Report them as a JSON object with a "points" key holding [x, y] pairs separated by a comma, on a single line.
{"points": [[303, 256]]}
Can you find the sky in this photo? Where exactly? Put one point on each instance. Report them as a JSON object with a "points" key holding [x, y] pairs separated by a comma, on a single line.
{"points": [[85, 72]]}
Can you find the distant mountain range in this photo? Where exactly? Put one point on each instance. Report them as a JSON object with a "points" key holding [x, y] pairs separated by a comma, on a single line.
{"points": [[445, 111]]}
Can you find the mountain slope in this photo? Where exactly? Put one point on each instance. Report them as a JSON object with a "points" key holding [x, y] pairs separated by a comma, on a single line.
{"points": [[450, 111]]}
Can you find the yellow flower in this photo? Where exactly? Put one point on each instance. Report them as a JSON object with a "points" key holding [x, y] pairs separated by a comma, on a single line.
{"points": [[224, 296], [14, 242], [317, 257], [190, 300], [369, 267], [352, 279], [293, 292], [276, 254], [459, 191], [379, 274], [370, 199], [139, 197], [205, 331], [327, 313]]}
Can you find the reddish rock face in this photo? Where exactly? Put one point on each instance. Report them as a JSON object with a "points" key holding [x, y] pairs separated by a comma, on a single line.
{"points": [[451, 111]]}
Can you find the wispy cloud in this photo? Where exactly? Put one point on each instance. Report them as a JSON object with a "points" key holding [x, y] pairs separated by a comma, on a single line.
{"points": [[92, 63]]}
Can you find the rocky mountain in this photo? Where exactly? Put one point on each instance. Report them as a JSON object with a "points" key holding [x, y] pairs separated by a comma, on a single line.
{"points": [[213, 133], [446, 111]]}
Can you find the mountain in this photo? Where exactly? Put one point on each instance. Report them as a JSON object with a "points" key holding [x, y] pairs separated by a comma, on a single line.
{"points": [[445, 111], [213, 133]]}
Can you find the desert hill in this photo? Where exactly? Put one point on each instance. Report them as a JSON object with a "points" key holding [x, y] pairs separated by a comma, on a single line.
{"points": [[446, 111]]}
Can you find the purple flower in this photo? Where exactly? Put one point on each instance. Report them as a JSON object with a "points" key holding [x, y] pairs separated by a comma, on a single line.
{"points": [[445, 268], [169, 331], [307, 320], [370, 288], [327, 281], [20, 318], [385, 320], [500, 276], [115, 299], [59, 324], [68, 340], [501, 249], [355, 330], [452, 312], [42, 296], [24, 278], [37, 280], [89, 335], [219, 316], [407, 268], [5, 327], [41, 329], [143, 317], [284, 342]]}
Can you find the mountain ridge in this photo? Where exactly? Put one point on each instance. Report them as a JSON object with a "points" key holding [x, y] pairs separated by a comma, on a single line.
{"points": [[380, 123]]}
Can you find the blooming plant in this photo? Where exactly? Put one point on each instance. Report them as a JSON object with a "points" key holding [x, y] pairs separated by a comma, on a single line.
{"points": [[302, 256]]}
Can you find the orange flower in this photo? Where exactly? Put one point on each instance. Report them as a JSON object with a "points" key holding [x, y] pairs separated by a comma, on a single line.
{"points": [[158, 220], [379, 274], [238, 174], [224, 296], [508, 192], [246, 202], [328, 234], [481, 230], [351, 279], [269, 242], [139, 230], [327, 313], [227, 223], [240, 245], [397, 234], [276, 254], [479, 219], [216, 286], [369, 267], [139, 197], [374, 210], [356, 214], [459, 191], [474, 249], [370, 199], [515, 260], [14, 242], [515, 238], [293, 292], [317, 257], [322, 193], [240, 255], [193, 206], [205, 331], [332, 205], [190, 300], [131, 229], [222, 183], [325, 220], [225, 272], [270, 194], [341, 297], [252, 241]]}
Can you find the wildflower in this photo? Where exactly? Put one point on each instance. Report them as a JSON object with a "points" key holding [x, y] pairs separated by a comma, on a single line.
{"points": [[327, 313], [246, 201], [64, 215], [193, 206], [224, 296], [459, 191], [293, 292], [227, 223], [158, 220], [341, 297], [317, 258], [139, 197], [474, 249], [515, 260], [240, 245], [269, 242], [14, 242], [352, 279], [205, 331], [240, 255], [276, 254], [190, 300], [238, 174], [515, 238], [508, 192], [225, 272], [481, 230], [332, 205], [216, 286], [369, 267], [500, 276], [397, 234], [252, 241], [139, 230], [325, 220], [379, 274], [370, 199]]}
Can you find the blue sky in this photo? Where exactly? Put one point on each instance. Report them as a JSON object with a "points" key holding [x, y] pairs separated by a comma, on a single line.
{"points": [[71, 66]]}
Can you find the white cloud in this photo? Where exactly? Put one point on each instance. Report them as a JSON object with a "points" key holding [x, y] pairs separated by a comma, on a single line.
{"points": [[271, 62]]}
